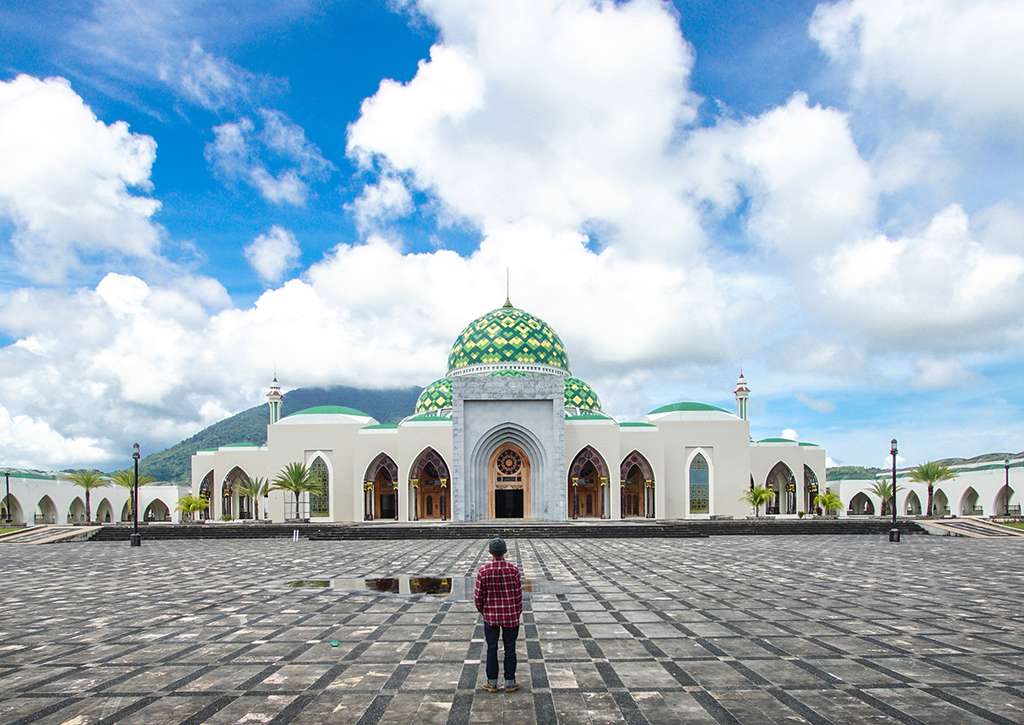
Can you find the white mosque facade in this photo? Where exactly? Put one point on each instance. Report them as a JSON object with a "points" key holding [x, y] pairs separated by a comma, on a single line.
{"points": [[509, 433]]}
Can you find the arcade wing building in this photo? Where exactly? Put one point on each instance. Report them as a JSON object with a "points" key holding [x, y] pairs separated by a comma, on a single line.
{"points": [[508, 432]]}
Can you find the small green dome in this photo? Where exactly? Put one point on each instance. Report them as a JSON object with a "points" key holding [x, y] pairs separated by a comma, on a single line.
{"points": [[511, 336], [580, 397], [436, 396]]}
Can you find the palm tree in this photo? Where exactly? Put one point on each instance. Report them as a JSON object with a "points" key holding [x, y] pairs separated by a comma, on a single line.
{"points": [[883, 489], [88, 480], [298, 479], [125, 479], [254, 488], [829, 501], [931, 473], [756, 496], [191, 504]]}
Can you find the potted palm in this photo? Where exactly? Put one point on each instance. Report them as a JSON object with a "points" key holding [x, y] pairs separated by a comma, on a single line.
{"points": [[297, 479], [828, 501], [756, 497]]}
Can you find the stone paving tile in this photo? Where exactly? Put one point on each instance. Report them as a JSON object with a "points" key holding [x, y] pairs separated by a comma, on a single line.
{"points": [[653, 631]]}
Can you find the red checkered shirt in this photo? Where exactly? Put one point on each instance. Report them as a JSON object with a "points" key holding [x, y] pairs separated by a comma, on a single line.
{"points": [[498, 593]]}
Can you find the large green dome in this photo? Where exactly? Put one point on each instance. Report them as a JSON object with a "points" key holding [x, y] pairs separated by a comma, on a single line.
{"points": [[507, 338]]}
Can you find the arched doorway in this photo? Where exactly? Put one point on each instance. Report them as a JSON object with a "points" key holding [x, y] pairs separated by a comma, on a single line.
{"points": [[969, 503], [206, 491], [15, 515], [508, 483], [861, 505], [46, 511], [636, 491], [380, 489], [126, 510], [428, 483], [912, 504], [587, 486], [76, 511], [157, 511], [700, 485], [810, 488], [320, 500], [782, 484], [232, 504], [1002, 505], [104, 512], [940, 503]]}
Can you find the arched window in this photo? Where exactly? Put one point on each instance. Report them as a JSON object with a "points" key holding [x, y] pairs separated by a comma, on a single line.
{"points": [[699, 485], [319, 501]]}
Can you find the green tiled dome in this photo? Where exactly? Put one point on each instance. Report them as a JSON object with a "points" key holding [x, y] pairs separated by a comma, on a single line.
{"points": [[436, 396], [508, 335], [581, 397]]}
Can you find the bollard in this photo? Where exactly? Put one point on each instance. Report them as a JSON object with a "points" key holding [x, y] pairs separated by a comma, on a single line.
{"points": [[295, 534]]}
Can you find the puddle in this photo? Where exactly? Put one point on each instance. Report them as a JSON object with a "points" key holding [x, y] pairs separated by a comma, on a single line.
{"points": [[451, 587]]}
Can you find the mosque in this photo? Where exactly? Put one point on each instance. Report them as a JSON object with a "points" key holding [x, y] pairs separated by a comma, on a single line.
{"points": [[510, 433]]}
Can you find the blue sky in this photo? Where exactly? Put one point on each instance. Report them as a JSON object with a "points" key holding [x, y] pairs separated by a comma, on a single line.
{"points": [[803, 189]]}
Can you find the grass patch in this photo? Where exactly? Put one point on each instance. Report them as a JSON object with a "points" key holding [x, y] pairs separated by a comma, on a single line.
{"points": [[4, 530], [1014, 524]]}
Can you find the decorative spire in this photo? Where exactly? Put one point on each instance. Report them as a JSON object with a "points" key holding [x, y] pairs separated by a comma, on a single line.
{"points": [[508, 296], [742, 393], [274, 399]]}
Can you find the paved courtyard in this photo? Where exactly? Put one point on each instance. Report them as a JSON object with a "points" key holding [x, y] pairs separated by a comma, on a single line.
{"points": [[840, 629]]}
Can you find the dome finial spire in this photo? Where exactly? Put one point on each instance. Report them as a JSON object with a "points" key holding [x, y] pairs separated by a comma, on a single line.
{"points": [[508, 296]]}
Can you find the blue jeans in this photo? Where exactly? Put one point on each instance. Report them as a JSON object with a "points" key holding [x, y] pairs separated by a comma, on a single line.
{"points": [[508, 642]]}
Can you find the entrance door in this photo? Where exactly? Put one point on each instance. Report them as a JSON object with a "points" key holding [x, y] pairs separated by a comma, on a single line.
{"points": [[388, 503], [508, 504], [508, 483]]}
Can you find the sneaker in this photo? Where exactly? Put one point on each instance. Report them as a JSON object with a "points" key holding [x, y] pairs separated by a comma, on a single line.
{"points": [[511, 686], [491, 686]]}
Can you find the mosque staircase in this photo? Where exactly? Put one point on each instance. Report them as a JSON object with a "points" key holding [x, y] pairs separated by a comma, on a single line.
{"points": [[390, 531], [974, 528], [51, 534]]}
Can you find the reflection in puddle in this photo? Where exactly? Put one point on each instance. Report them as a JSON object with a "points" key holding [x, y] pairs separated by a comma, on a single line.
{"points": [[452, 587]]}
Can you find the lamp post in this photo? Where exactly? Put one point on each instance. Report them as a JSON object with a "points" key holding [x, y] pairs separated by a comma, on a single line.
{"points": [[6, 501], [894, 533], [1006, 480], [136, 537]]}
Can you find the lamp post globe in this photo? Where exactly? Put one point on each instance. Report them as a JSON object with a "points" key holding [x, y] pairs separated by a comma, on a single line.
{"points": [[894, 532], [136, 538]]}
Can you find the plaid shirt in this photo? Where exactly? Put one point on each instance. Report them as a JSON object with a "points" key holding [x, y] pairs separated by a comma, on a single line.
{"points": [[498, 593]]}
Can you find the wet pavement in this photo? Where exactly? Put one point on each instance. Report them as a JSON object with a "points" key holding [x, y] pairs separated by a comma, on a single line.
{"points": [[817, 629]]}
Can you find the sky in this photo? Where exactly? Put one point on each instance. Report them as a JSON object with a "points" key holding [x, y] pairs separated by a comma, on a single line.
{"points": [[827, 195]]}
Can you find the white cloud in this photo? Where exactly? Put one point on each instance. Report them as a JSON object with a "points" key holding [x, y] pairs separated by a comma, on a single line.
{"points": [[380, 202], [31, 443], [933, 373], [66, 180], [239, 153], [960, 57], [921, 291], [273, 253], [789, 433], [816, 404], [808, 186], [559, 112]]}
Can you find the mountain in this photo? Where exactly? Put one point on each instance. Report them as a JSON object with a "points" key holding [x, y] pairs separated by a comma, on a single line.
{"points": [[172, 464]]}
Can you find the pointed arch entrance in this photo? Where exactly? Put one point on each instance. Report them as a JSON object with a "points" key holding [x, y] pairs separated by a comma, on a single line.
{"points": [[810, 488], [940, 503], [587, 487], [861, 505], [969, 503], [636, 492], [782, 483], [104, 512], [380, 489], [428, 484], [157, 511], [76, 511], [912, 505], [1002, 504], [231, 498], [10, 510], [46, 511], [206, 491], [508, 483]]}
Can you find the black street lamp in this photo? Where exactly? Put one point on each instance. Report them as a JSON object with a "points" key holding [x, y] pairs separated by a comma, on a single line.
{"points": [[1006, 469], [6, 501], [136, 537], [894, 533]]}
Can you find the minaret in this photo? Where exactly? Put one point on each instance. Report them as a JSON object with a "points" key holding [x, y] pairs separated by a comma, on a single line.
{"points": [[742, 392], [274, 398]]}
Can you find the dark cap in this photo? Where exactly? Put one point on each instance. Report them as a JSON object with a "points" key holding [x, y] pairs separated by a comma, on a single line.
{"points": [[497, 546]]}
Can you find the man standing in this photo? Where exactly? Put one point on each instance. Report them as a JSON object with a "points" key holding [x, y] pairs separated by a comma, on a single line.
{"points": [[498, 595]]}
